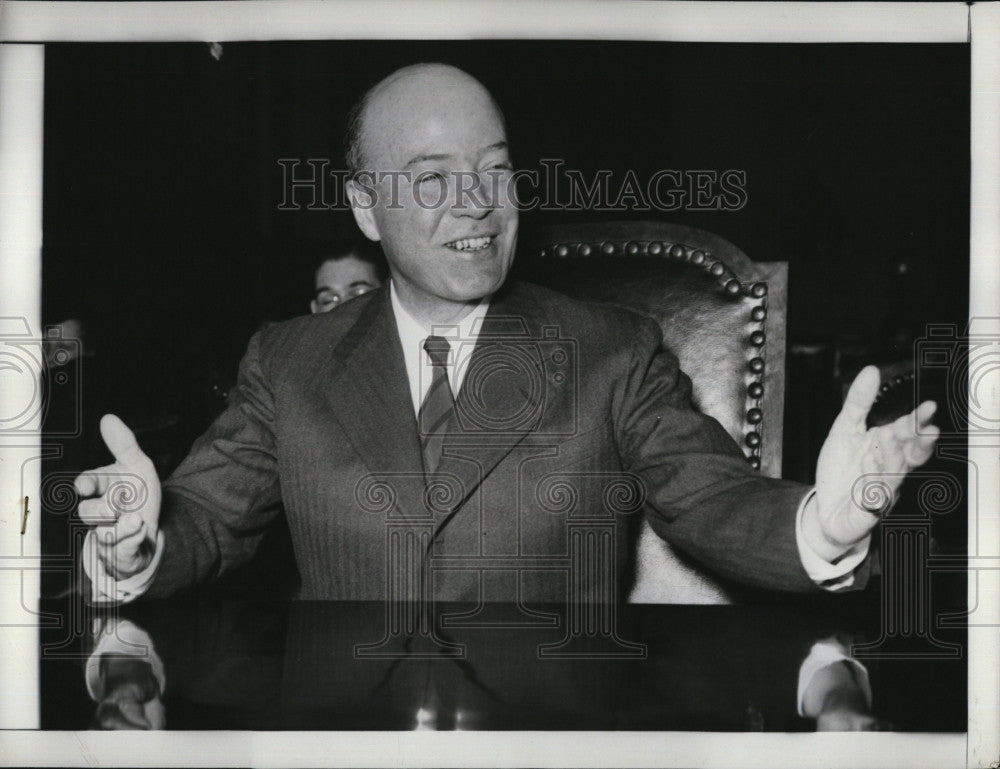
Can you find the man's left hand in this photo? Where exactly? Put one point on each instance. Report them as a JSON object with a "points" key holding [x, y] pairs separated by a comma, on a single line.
{"points": [[845, 510]]}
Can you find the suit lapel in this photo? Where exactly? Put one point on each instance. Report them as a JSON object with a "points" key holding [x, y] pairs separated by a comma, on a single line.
{"points": [[368, 388], [503, 394]]}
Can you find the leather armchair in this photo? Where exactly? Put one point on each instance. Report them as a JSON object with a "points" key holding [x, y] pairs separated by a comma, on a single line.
{"points": [[722, 314]]}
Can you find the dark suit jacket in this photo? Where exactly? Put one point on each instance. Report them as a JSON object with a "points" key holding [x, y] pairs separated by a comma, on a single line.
{"points": [[573, 420]]}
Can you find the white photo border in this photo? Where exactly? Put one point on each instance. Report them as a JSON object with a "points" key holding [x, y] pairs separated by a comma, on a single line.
{"points": [[26, 25]]}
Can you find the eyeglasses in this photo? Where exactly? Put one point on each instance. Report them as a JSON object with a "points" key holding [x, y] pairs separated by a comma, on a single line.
{"points": [[327, 301]]}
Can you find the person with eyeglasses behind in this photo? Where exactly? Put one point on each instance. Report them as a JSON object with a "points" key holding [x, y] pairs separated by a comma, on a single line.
{"points": [[351, 269]]}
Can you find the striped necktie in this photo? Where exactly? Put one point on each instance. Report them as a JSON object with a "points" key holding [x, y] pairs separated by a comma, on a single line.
{"points": [[436, 410]]}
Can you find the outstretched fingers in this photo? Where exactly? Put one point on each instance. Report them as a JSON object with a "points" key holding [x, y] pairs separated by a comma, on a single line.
{"points": [[915, 436], [859, 400]]}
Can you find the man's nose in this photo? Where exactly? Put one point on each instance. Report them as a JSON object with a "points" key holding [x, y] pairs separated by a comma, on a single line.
{"points": [[474, 197]]}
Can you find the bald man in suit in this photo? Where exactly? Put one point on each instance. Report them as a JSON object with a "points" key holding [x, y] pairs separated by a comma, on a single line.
{"points": [[482, 416]]}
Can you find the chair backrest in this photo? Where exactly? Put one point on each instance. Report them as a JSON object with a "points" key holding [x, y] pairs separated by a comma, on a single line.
{"points": [[722, 314]]}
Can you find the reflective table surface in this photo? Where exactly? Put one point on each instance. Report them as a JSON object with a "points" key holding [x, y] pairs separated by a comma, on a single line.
{"points": [[223, 664]]}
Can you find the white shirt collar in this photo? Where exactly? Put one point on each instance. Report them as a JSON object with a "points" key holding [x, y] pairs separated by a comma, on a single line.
{"points": [[412, 333]]}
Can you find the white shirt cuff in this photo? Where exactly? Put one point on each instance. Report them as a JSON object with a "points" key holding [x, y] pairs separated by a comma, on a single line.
{"points": [[826, 653], [830, 576], [105, 589]]}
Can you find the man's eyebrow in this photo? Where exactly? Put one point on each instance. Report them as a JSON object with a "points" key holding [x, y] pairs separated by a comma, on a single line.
{"points": [[502, 145], [424, 158]]}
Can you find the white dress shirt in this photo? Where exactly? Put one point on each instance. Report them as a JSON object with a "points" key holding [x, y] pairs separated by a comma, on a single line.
{"points": [[461, 336]]}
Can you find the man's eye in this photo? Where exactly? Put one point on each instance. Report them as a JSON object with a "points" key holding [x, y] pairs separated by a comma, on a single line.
{"points": [[430, 176], [359, 291]]}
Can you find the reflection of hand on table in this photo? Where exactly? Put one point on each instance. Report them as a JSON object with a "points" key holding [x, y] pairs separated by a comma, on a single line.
{"points": [[834, 690], [125, 677]]}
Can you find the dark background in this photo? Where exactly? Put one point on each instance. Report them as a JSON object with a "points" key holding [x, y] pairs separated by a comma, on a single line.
{"points": [[162, 186]]}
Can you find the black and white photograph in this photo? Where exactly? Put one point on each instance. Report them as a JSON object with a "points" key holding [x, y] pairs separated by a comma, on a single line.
{"points": [[606, 381]]}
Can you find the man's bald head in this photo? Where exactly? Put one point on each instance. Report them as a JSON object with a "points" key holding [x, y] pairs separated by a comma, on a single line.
{"points": [[412, 81], [432, 172]]}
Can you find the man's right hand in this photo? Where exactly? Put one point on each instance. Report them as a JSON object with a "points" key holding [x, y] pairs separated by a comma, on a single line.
{"points": [[123, 502]]}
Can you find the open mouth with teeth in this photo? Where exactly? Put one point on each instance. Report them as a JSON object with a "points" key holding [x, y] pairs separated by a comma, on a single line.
{"points": [[471, 244]]}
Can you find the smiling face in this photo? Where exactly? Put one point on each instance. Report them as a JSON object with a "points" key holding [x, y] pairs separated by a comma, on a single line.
{"points": [[446, 223]]}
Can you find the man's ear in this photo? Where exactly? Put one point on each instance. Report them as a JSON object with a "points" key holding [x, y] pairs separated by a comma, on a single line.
{"points": [[362, 198]]}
